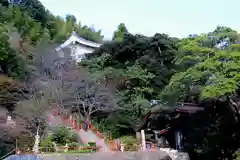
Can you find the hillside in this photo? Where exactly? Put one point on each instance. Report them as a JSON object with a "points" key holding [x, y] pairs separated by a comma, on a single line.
{"points": [[121, 77]]}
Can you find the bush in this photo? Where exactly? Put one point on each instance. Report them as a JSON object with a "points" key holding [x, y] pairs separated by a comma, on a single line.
{"points": [[93, 144], [47, 145], [73, 145], [63, 135], [81, 151], [237, 155], [73, 137], [130, 143]]}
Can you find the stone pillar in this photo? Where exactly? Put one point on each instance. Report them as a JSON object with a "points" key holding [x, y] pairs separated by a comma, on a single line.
{"points": [[138, 136], [121, 147], [66, 148], [143, 140]]}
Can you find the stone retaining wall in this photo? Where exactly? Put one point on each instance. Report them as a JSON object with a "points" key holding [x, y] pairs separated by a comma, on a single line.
{"points": [[110, 156]]}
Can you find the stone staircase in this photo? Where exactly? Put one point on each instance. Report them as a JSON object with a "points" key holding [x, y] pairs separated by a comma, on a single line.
{"points": [[84, 136]]}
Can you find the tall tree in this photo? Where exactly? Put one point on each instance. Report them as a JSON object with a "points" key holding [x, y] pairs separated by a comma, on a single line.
{"points": [[120, 32], [71, 18]]}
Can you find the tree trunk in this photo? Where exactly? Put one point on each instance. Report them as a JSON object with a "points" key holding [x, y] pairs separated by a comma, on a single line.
{"points": [[87, 122], [36, 143]]}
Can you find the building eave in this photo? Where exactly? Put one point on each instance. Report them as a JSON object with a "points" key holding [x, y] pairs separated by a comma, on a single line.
{"points": [[85, 42], [75, 38]]}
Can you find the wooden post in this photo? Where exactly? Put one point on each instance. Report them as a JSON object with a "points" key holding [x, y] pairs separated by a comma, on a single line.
{"points": [[143, 140]]}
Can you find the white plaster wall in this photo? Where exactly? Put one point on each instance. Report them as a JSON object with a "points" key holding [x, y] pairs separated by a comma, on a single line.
{"points": [[78, 51]]}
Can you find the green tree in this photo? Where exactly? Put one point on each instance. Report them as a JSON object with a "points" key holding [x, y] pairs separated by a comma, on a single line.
{"points": [[71, 18], [63, 135], [120, 32]]}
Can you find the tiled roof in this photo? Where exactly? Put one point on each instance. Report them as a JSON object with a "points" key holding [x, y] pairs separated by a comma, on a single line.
{"points": [[85, 42], [75, 38]]}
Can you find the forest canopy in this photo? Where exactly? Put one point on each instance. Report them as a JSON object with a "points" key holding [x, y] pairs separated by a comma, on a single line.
{"points": [[196, 69], [136, 68]]}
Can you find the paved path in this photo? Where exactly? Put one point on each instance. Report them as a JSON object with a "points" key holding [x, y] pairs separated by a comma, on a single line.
{"points": [[84, 137], [96, 156], [89, 136]]}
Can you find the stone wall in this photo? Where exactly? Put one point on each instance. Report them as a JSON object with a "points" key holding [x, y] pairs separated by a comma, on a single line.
{"points": [[164, 154], [160, 155]]}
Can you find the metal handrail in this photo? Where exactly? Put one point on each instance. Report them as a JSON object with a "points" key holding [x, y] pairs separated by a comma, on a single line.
{"points": [[6, 155]]}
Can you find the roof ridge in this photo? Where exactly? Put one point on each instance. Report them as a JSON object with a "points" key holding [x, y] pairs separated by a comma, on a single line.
{"points": [[87, 41]]}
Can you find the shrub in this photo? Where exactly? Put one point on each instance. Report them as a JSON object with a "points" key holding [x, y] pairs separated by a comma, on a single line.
{"points": [[81, 151], [130, 143], [73, 145], [73, 137], [63, 135], [46, 145], [237, 155], [93, 144]]}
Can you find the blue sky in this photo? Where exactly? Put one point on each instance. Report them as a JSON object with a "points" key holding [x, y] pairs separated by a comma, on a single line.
{"points": [[177, 18]]}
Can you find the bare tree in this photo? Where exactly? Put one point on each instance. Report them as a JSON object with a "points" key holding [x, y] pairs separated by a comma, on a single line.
{"points": [[94, 98], [71, 85], [74, 88], [79, 91], [30, 101]]}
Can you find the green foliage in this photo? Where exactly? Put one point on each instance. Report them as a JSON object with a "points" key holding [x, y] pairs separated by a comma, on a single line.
{"points": [[136, 69], [213, 77], [130, 143], [47, 144], [81, 151], [63, 135], [235, 48], [237, 154], [74, 145], [120, 32], [35, 23], [192, 69], [92, 144], [11, 63]]}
